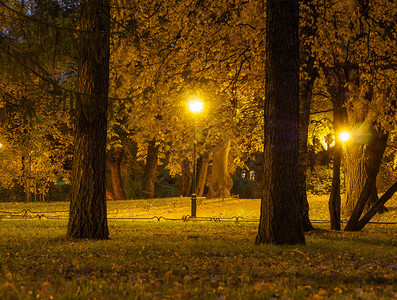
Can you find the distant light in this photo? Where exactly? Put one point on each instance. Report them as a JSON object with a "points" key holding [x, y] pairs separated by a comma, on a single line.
{"points": [[1, 145], [196, 106], [344, 136]]}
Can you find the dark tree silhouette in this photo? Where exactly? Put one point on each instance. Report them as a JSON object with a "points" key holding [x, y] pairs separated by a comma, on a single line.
{"points": [[281, 218], [87, 217]]}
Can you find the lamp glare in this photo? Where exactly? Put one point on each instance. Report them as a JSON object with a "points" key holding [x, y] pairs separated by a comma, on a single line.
{"points": [[196, 106], [344, 136]]}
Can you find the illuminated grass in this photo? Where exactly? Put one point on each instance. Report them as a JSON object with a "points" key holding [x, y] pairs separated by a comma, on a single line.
{"points": [[195, 260]]}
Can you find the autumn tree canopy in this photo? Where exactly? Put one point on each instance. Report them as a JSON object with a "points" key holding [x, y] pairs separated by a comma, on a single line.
{"points": [[161, 54]]}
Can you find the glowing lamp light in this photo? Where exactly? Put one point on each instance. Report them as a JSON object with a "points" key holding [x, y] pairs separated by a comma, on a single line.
{"points": [[196, 106], [344, 136]]}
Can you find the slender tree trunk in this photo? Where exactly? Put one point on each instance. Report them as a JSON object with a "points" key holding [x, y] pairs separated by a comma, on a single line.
{"points": [[186, 178], [375, 151], [337, 78], [220, 183], [150, 176], [377, 207], [115, 172], [302, 164], [308, 76], [202, 167], [281, 218], [87, 216], [334, 203], [305, 95]]}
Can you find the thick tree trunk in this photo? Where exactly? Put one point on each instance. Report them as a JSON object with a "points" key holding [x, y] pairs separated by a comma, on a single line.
{"points": [[220, 183], [357, 154], [281, 218], [355, 176], [115, 172], [87, 216], [150, 176], [202, 167], [375, 150]]}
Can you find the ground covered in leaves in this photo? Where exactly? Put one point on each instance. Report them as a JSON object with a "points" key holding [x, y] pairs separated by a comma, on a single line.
{"points": [[194, 259]]}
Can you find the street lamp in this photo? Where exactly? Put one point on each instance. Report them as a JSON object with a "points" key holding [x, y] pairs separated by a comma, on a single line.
{"points": [[195, 107]]}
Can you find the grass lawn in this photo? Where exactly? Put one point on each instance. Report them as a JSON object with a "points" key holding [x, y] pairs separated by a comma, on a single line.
{"points": [[195, 260]]}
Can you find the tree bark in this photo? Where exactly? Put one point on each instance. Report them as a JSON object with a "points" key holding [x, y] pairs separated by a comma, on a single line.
{"points": [[375, 150], [220, 183], [87, 216], [202, 168], [281, 218], [186, 178], [355, 169], [150, 176], [115, 172]]}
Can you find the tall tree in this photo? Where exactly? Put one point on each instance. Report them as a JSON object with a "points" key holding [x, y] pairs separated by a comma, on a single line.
{"points": [[281, 218], [87, 217], [354, 48], [308, 75]]}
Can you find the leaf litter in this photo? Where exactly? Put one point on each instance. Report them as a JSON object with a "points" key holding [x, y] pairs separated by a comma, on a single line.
{"points": [[195, 260]]}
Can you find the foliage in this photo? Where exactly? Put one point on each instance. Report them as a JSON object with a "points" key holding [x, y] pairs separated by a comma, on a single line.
{"points": [[191, 259], [34, 131], [356, 39], [319, 180], [159, 65]]}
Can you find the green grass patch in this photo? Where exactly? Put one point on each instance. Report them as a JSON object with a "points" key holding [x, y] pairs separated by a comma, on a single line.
{"points": [[189, 260]]}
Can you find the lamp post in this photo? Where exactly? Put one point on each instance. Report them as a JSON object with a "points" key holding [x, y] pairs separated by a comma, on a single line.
{"points": [[195, 107]]}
